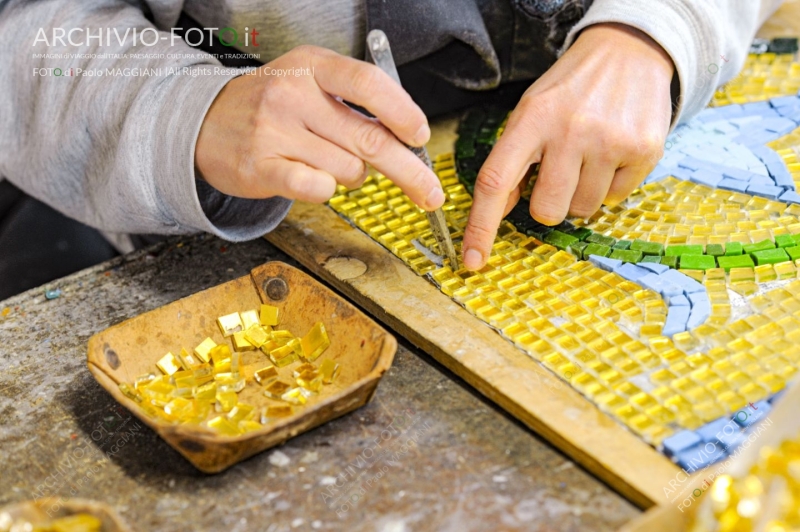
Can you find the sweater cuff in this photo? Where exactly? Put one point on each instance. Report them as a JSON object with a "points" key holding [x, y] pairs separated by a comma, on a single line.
{"points": [[191, 204], [683, 28]]}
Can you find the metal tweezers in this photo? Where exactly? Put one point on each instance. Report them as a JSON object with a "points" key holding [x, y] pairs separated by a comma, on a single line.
{"points": [[381, 54]]}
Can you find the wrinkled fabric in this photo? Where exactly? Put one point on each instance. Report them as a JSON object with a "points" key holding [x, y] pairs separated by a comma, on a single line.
{"points": [[476, 45], [486, 44], [117, 153]]}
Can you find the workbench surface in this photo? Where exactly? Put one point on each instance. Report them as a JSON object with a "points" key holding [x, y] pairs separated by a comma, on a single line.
{"points": [[468, 466]]}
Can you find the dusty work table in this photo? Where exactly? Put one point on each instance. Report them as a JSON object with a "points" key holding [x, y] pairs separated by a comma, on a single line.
{"points": [[452, 462]]}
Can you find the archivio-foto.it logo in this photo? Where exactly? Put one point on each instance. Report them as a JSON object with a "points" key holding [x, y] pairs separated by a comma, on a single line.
{"points": [[145, 37]]}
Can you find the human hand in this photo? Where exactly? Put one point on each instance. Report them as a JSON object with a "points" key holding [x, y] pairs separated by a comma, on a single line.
{"points": [[596, 121], [293, 137]]}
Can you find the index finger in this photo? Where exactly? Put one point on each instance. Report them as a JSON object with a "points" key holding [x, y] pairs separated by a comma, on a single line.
{"points": [[368, 86], [505, 167]]}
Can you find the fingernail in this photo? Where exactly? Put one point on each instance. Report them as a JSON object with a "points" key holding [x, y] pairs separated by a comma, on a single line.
{"points": [[422, 135], [435, 199], [473, 259]]}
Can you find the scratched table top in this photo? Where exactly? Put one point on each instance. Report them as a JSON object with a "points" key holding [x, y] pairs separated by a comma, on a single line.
{"points": [[426, 454]]}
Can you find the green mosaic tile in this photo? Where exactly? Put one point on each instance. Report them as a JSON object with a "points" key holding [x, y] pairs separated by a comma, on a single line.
{"points": [[577, 249], [539, 232], [697, 262], [626, 255], [648, 248], [784, 241], [670, 260], [793, 252], [597, 249], [677, 251], [738, 261], [770, 256], [581, 233], [758, 246], [595, 238], [560, 240], [733, 248], [465, 149]]}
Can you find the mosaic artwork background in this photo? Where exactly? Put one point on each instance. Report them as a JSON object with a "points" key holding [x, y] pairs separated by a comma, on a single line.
{"points": [[672, 312]]}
